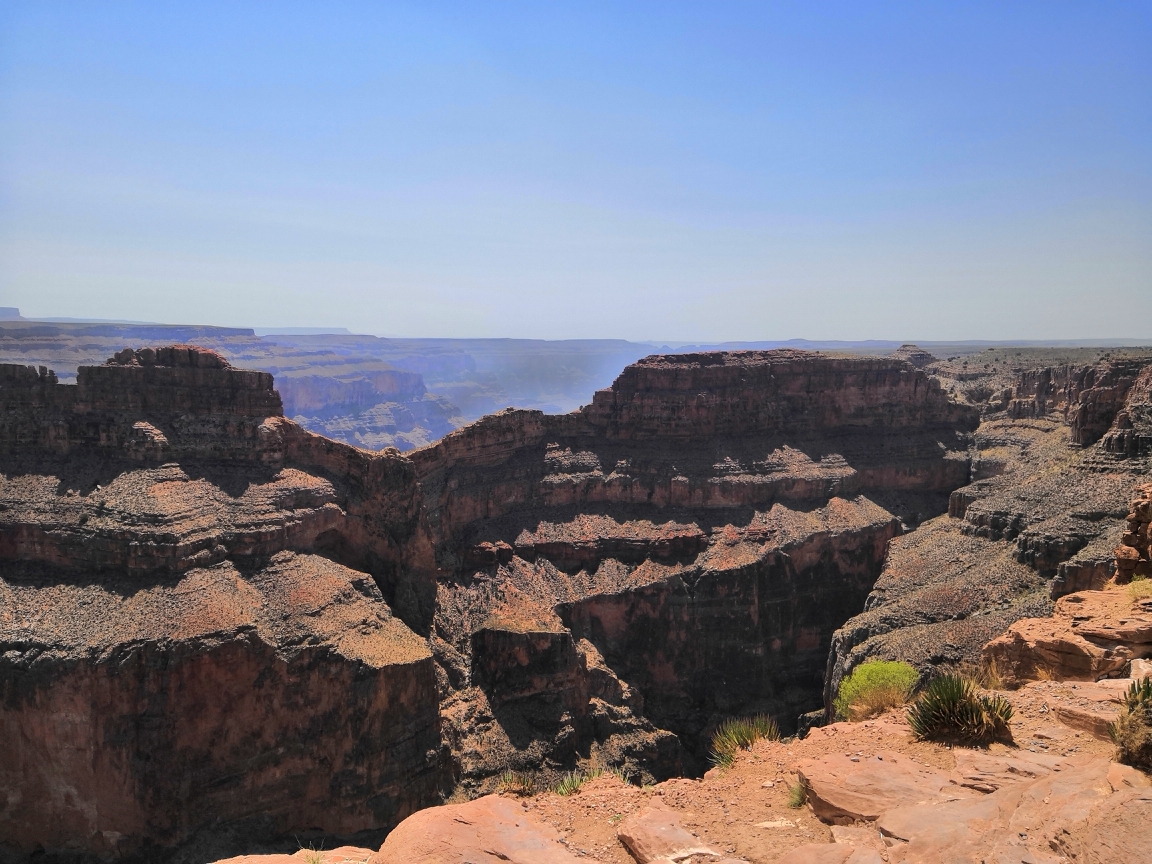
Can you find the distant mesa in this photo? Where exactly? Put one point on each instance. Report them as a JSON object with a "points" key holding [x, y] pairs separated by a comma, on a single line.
{"points": [[913, 354], [10, 313]]}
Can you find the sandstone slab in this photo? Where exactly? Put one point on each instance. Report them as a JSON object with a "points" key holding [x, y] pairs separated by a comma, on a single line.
{"points": [[488, 829], [654, 836], [1091, 635], [1038, 820], [339, 855], [842, 790], [831, 853]]}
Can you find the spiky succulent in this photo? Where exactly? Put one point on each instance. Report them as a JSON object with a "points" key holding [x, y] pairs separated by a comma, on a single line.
{"points": [[951, 707]]}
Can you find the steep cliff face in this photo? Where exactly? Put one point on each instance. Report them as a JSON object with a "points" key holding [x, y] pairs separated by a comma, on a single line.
{"points": [[174, 650], [210, 613], [283, 695], [705, 524], [1087, 397], [1053, 475]]}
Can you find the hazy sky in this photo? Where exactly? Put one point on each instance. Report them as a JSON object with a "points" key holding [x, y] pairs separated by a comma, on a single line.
{"points": [[668, 171]]}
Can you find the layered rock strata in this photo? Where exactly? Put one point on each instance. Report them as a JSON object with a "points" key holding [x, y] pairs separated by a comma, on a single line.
{"points": [[703, 525], [174, 650], [1054, 464], [249, 621], [1091, 635], [1134, 554]]}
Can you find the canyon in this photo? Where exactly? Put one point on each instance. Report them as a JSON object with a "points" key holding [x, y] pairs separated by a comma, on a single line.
{"points": [[220, 628]]}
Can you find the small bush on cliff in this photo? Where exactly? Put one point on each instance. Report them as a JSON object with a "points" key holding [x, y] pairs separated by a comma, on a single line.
{"points": [[873, 688], [516, 783], [798, 794], [740, 733], [1140, 588], [950, 708], [1132, 731]]}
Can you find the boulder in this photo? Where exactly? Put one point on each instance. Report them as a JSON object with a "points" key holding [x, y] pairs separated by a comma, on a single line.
{"points": [[654, 836], [487, 829]]}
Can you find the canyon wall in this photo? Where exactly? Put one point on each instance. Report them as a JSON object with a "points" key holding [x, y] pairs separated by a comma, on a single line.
{"points": [[197, 606], [211, 613], [1055, 461], [704, 524]]}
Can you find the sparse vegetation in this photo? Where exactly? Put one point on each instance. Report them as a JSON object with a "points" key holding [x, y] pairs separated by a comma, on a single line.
{"points": [[1132, 731], [740, 733], [571, 782], [516, 783], [1140, 588], [874, 687], [989, 675], [951, 708], [798, 794], [312, 855]]}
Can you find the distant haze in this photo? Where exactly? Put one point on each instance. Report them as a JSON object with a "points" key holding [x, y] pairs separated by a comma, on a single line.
{"points": [[668, 172]]}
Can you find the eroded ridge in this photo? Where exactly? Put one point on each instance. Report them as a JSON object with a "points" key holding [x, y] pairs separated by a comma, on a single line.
{"points": [[243, 620]]}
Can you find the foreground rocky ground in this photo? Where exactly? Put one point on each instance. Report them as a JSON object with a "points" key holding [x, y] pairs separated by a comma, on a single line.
{"points": [[1051, 794]]}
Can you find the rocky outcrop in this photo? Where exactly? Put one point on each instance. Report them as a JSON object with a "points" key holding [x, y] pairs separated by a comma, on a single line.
{"points": [[1088, 397], [154, 403], [533, 592], [1091, 635], [196, 613], [1135, 550], [913, 354], [1043, 517], [703, 524], [1131, 431], [284, 695]]}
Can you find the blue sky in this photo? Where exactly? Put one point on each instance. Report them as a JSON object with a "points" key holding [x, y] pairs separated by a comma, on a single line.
{"points": [[697, 171]]}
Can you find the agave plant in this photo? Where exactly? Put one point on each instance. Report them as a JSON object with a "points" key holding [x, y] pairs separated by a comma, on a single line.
{"points": [[1132, 730], [1139, 695], [950, 707]]}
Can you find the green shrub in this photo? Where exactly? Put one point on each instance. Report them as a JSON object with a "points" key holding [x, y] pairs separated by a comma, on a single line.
{"points": [[740, 733], [1132, 731], [874, 687], [797, 794], [1140, 588], [950, 708]]}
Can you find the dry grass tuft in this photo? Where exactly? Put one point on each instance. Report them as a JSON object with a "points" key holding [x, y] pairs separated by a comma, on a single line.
{"points": [[797, 794], [741, 733], [516, 783]]}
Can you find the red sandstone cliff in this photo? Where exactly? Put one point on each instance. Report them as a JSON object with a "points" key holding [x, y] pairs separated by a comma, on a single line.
{"points": [[704, 525], [220, 584], [175, 653]]}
